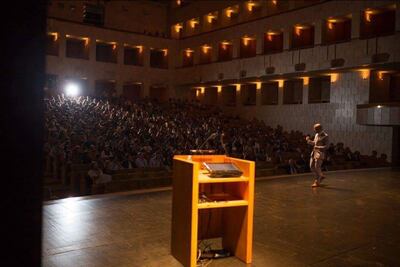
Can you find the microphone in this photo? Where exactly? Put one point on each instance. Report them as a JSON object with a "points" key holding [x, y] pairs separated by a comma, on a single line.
{"points": [[213, 135]]}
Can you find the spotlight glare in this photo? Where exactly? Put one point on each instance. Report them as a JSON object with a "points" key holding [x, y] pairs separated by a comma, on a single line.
{"points": [[71, 89]]}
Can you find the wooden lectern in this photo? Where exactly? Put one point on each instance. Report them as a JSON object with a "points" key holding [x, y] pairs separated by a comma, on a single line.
{"points": [[230, 216]]}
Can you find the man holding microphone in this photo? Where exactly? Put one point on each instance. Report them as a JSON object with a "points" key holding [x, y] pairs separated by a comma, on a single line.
{"points": [[320, 144]]}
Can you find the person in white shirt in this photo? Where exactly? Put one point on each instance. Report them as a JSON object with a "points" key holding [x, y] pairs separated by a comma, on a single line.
{"points": [[320, 144], [97, 175]]}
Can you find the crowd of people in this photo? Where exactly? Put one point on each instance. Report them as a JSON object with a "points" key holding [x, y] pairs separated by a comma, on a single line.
{"points": [[118, 134]]}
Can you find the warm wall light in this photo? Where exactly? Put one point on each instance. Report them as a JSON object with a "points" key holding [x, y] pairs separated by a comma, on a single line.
{"points": [[280, 83], [368, 14], [194, 23], [178, 2], [274, 2], [250, 6], [229, 12], [225, 44], [258, 85], [246, 40], [197, 93], [306, 80], [165, 52], [178, 27], [237, 87], [297, 30], [140, 47], [55, 35], [219, 88], [205, 48], [189, 52], [380, 75], [334, 77], [211, 17], [202, 90], [270, 35], [364, 73], [86, 39]]}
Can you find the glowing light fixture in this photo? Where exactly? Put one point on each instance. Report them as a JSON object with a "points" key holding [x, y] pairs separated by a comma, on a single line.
{"points": [[380, 75], [178, 27], [71, 89], [165, 52], [219, 88], [189, 52], [250, 6], [86, 39], [258, 85], [280, 83], [246, 40], [224, 44], [368, 14], [55, 35], [334, 77], [306, 80], [270, 35], [297, 30], [237, 87], [211, 17], [205, 49], [193, 23], [140, 47], [275, 2], [229, 12], [364, 73]]}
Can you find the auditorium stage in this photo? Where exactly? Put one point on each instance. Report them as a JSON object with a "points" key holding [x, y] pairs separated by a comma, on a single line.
{"points": [[354, 220]]}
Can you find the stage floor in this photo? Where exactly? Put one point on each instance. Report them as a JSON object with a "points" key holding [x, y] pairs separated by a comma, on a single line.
{"points": [[354, 220]]}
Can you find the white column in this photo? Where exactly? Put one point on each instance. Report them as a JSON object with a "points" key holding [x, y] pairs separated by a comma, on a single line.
{"points": [[280, 94], [305, 92]]}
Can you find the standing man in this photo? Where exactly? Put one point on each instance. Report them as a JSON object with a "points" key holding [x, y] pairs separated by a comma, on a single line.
{"points": [[320, 144]]}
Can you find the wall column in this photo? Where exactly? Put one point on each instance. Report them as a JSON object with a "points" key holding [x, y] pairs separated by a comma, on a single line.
{"points": [[305, 91]]}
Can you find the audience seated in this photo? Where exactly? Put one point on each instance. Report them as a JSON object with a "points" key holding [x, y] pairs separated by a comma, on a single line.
{"points": [[97, 176], [117, 135]]}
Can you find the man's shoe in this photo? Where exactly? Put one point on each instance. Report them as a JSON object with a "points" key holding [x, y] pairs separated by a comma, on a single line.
{"points": [[315, 184]]}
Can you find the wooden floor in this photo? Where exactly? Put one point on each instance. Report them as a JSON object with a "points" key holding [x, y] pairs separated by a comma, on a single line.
{"points": [[354, 220]]}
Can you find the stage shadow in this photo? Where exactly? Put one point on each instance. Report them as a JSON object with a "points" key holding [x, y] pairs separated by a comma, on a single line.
{"points": [[328, 187]]}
